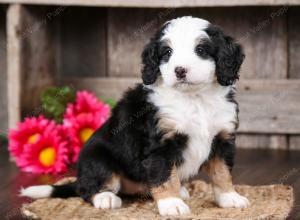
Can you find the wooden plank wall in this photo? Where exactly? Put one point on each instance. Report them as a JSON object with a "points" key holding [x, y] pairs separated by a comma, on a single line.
{"points": [[294, 59], [85, 28], [259, 34], [157, 3], [38, 57], [127, 34], [31, 64], [3, 75], [89, 43], [14, 47]]}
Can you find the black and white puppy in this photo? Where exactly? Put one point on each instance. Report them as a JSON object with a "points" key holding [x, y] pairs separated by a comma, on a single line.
{"points": [[182, 119]]}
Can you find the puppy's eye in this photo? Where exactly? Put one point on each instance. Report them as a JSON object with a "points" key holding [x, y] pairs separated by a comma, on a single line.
{"points": [[167, 51], [200, 50]]}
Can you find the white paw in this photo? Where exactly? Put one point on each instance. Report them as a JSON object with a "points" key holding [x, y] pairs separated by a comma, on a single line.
{"points": [[184, 194], [231, 199], [107, 200], [172, 206]]}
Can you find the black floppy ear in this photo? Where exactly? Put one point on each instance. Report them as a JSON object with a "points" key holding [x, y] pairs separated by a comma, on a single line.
{"points": [[229, 56], [150, 59]]}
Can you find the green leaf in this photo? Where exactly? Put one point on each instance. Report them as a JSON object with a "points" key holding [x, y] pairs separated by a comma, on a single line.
{"points": [[54, 101], [3, 139], [111, 102]]}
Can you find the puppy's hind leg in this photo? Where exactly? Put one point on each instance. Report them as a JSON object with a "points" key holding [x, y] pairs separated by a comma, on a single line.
{"points": [[107, 197], [99, 184]]}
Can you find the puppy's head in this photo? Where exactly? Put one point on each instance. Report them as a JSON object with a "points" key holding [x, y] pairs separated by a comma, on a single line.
{"points": [[191, 51]]}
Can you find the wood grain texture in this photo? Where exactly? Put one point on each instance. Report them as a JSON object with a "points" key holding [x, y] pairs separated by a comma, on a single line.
{"points": [[14, 69], [294, 42], [269, 106], [294, 57], [82, 34], [37, 57], [261, 141], [112, 87], [128, 32], [294, 142], [3, 74], [157, 3], [258, 99]]}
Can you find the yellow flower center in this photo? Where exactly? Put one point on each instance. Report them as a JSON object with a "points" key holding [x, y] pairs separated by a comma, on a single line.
{"points": [[47, 156], [85, 134], [33, 138]]}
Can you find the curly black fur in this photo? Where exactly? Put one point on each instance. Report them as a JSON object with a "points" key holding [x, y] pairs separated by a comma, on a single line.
{"points": [[130, 144], [151, 58], [228, 56], [224, 149]]}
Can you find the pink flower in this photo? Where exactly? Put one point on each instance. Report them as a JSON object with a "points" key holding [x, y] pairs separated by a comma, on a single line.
{"points": [[82, 118], [27, 132], [41, 148], [49, 155], [80, 129], [86, 103]]}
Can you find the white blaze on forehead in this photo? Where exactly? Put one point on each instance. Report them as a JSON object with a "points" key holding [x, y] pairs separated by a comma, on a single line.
{"points": [[183, 35], [185, 28]]}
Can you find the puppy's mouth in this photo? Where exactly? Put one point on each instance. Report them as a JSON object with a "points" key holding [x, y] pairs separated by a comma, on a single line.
{"points": [[185, 82], [184, 85]]}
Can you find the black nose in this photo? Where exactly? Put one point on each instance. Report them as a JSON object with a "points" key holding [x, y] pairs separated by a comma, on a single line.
{"points": [[180, 72]]}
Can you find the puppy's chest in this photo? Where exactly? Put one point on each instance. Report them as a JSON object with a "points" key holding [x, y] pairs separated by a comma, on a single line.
{"points": [[196, 117], [200, 117]]}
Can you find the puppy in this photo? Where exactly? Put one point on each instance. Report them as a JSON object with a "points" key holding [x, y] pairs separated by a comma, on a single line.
{"points": [[182, 119]]}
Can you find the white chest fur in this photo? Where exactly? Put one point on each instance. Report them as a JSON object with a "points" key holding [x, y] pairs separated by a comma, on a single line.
{"points": [[201, 114]]}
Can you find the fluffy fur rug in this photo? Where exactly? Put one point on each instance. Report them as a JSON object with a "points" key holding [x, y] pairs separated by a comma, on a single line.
{"points": [[267, 202]]}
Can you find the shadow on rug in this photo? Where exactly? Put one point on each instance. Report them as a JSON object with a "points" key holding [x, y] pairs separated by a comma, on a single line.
{"points": [[267, 202]]}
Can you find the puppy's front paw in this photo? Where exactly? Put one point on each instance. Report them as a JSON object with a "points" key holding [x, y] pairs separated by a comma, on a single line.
{"points": [[231, 199], [184, 193], [107, 200], [172, 206]]}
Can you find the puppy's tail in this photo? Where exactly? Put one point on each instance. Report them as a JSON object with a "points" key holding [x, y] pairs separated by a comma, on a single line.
{"points": [[47, 191]]}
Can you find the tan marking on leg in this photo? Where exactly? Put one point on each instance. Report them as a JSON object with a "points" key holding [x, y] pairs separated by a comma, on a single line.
{"points": [[219, 173], [130, 187], [170, 188], [113, 184]]}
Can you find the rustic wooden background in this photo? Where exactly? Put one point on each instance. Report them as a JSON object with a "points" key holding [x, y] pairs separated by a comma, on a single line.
{"points": [[3, 76], [98, 48]]}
